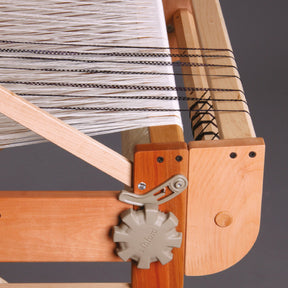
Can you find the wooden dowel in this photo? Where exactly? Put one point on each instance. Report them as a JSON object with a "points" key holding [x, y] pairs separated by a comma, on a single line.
{"points": [[203, 122], [65, 136], [213, 34]]}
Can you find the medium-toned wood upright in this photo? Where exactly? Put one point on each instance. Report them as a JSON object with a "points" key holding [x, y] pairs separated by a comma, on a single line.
{"points": [[148, 170]]}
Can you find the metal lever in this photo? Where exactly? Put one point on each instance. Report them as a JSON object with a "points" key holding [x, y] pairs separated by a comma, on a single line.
{"points": [[176, 184]]}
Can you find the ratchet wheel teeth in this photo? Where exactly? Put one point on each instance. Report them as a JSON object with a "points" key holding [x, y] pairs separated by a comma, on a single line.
{"points": [[147, 235]]}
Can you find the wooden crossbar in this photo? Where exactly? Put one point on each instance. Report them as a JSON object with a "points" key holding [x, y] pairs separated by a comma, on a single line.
{"points": [[58, 226]]}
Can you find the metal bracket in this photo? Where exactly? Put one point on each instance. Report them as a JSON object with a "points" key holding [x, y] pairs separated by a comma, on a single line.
{"points": [[176, 184]]}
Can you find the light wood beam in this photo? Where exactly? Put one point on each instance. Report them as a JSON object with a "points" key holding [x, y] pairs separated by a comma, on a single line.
{"points": [[58, 226], [65, 136], [213, 34], [203, 121]]}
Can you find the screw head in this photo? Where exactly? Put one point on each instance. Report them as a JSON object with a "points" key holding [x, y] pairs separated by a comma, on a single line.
{"points": [[252, 154], [142, 186], [160, 159], [179, 158], [179, 184], [170, 28], [233, 155]]}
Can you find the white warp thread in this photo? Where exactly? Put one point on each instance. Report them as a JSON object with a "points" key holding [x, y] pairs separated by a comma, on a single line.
{"points": [[84, 24]]}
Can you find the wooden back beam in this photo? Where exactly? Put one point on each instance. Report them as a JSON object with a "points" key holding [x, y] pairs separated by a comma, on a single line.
{"points": [[203, 121], [200, 24], [213, 33]]}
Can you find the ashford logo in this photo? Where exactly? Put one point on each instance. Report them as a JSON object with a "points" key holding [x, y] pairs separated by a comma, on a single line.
{"points": [[148, 240]]}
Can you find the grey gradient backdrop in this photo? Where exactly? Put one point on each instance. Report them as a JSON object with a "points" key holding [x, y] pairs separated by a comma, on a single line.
{"points": [[258, 31]]}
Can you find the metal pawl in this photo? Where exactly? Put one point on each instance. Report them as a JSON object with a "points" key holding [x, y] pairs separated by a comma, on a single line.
{"points": [[176, 184]]}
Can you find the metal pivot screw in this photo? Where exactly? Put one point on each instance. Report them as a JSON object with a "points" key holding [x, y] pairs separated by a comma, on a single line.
{"points": [[142, 186], [179, 184]]}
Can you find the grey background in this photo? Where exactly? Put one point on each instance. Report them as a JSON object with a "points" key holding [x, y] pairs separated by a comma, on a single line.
{"points": [[258, 32]]}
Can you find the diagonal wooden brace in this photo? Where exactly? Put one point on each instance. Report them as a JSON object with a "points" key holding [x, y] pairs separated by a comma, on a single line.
{"points": [[65, 136]]}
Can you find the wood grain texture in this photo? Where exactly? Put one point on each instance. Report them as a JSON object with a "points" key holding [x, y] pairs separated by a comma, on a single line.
{"points": [[213, 34], [58, 226], [224, 203], [166, 134], [170, 8], [148, 170], [66, 285], [203, 123], [65, 136]]}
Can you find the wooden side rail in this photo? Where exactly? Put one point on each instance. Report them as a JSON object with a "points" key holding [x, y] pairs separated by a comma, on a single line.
{"points": [[224, 202], [52, 226]]}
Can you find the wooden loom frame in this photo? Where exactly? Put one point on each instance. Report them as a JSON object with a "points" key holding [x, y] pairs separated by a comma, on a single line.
{"points": [[219, 230]]}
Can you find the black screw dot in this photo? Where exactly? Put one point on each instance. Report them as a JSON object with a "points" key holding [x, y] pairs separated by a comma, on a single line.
{"points": [[252, 154], [160, 159], [233, 155], [179, 158], [170, 28]]}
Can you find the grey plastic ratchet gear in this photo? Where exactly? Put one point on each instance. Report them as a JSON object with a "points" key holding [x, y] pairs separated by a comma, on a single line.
{"points": [[147, 235]]}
